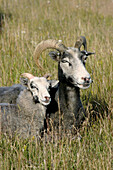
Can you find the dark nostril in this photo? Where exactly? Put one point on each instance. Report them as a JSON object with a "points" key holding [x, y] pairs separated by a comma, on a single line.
{"points": [[87, 80]]}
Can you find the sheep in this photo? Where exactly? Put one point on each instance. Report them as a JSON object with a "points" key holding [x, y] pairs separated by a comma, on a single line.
{"points": [[72, 76], [27, 116]]}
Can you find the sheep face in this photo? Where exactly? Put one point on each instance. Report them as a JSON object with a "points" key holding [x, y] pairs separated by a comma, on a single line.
{"points": [[39, 87], [71, 61], [72, 67]]}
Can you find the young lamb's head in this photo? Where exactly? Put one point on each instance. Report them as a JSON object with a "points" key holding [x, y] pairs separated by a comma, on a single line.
{"points": [[71, 61], [39, 87]]}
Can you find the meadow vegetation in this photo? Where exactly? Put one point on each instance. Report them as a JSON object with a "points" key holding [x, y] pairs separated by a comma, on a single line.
{"points": [[24, 24]]}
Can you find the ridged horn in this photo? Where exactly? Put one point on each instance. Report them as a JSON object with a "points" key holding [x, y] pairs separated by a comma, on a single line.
{"points": [[47, 44], [27, 75], [81, 41]]}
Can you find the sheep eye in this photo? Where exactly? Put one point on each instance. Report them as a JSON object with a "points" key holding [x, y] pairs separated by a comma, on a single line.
{"points": [[65, 61], [32, 86]]}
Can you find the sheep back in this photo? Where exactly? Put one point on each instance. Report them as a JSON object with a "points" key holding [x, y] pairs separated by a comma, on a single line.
{"points": [[31, 112], [25, 119]]}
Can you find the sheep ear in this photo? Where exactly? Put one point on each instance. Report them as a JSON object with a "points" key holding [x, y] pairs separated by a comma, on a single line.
{"points": [[47, 76], [24, 81], [54, 55], [90, 53]]}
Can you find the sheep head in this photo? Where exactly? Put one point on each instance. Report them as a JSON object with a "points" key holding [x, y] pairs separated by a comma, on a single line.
{"points": [[71, 61], [39, 87]]}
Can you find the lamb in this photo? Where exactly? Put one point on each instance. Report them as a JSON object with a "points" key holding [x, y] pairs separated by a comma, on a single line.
{"points": [[72, 76], [27, 116]]}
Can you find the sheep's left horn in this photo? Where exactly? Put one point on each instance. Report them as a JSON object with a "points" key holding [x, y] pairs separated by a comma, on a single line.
{"points": [[81, 41], [27, 75], [47, 44]]}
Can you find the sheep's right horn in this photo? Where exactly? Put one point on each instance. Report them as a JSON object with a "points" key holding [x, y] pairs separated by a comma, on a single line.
{"points": [[27, 75], [81, 41], [47, 44]]}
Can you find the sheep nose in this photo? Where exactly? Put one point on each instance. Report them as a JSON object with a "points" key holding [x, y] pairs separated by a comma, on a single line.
{"points": [[47, 98], [86, 79]]}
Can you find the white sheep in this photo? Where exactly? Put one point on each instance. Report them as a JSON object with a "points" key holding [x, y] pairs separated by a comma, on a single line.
{"points": [[27, 116]]}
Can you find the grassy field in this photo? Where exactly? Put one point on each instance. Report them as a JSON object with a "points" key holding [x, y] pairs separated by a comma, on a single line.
{"points": [[24, 24]]}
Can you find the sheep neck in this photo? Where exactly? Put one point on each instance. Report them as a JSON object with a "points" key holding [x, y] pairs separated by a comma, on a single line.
{"points": [[70, 106], [70, 103], [69, 98]]}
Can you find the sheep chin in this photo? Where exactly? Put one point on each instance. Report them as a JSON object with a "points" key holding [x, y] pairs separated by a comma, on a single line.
{"points": [[82, 86], [46, 102]]}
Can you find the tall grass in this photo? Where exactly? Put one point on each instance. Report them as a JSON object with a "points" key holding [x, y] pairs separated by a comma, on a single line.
{"points": [[31, 21]]}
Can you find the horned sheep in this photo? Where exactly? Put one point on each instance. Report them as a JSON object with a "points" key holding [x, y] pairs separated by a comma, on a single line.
{"points": [[27, 116], [72, 76]]}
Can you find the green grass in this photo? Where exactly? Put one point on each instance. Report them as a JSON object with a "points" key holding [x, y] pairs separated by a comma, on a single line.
{"points": [[26, 23]]}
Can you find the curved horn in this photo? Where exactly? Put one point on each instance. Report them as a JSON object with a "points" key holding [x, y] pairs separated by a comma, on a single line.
{"points": [[27, 75], [47, 44], [81, 41]]}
